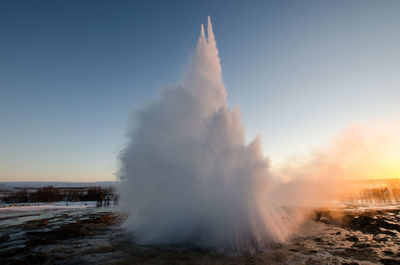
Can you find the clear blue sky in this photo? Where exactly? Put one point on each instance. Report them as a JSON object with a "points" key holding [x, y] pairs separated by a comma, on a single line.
{"points": [[72, 72]]}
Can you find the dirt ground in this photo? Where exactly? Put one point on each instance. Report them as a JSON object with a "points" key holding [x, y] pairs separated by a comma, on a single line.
{"points": [[95, 236]]}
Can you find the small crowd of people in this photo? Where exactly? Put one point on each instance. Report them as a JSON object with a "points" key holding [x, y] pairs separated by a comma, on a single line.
{"points": [[105, 200]]}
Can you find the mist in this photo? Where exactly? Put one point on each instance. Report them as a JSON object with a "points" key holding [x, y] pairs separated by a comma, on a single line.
{"points": [[188, 176], [338, 169]]}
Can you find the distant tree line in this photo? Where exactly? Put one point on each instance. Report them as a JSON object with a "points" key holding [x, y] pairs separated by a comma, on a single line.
{"points": [[53, 194]]}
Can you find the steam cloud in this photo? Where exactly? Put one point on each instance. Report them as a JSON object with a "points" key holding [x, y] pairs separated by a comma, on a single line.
{"points": [[334, 171], [188, 176]]}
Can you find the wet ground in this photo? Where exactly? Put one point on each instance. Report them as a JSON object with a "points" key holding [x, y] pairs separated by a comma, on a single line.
{"points": [[353, 235]]}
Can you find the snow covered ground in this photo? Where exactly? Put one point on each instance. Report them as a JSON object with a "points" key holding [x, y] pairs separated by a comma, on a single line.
{"points": [[27, 207]]}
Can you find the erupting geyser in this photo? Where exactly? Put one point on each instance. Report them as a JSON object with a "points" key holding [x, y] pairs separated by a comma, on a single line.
{"points": [[188, 177]]}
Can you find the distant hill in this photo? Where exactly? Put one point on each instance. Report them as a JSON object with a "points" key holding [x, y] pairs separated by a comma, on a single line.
{"points": [[39, 184]]}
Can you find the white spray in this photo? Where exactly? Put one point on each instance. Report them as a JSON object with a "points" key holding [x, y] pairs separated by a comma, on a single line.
{"points": [[188, 176]]}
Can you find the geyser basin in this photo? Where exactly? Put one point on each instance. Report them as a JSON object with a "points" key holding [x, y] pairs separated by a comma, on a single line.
{"points": [[188, 176]]}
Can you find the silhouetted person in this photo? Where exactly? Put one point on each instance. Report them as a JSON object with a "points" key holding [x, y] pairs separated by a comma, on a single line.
{"points": [[100, 199], [116, 199]]}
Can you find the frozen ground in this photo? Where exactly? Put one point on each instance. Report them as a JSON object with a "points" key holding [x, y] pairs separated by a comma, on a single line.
{"points": [[94, 235]]}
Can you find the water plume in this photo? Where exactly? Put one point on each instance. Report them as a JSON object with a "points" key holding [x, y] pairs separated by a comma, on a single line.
{"points": [[188, 177]]}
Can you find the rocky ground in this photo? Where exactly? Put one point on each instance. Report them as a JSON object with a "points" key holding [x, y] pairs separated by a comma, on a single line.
{"points": [[94, 236]]}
